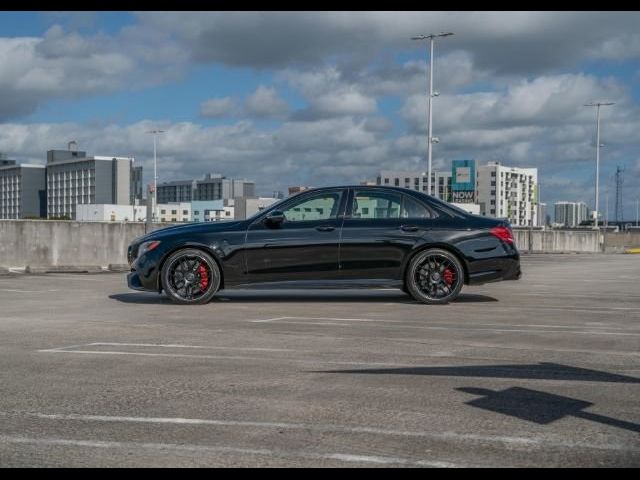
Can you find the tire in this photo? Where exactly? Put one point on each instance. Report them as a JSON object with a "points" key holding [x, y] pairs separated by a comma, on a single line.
{"points": [[427, 278], [183, 277]]}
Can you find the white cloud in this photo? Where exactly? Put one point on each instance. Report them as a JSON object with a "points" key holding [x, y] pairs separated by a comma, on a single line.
{"points": [[266, 103], [218, 107]]}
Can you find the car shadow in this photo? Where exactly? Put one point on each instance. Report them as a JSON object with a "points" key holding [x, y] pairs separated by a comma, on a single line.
{"points": [[295, 296], [539, 371]]}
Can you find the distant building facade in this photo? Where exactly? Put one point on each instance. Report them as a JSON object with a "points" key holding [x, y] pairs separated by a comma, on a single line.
{"points": [[508, 192], [22, 191], [570, 214], [110, 213], [136, 186], [73, 180], [247, 207], [211, 187], [415, 180], [174, 212], [297, 189]]}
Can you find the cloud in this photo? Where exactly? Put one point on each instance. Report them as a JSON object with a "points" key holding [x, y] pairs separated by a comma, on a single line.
{"points": [[218, 107], [266, 103]]}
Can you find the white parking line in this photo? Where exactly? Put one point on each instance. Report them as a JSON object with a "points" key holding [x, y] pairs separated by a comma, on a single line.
{"points": [[249, 349], [376, 323], [343, 457], [440, 435], [327, 318]]}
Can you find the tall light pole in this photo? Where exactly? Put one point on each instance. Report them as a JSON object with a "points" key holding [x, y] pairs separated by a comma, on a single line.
{"points": [[430, 139], [637, 204], [155, 170], [597, 105]]}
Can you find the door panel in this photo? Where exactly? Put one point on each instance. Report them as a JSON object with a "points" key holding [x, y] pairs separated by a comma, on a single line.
{"points": [[304, 246], [381, 227]]}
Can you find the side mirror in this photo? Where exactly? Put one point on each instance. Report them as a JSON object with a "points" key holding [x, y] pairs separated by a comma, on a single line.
{"points": [[274, 218]]}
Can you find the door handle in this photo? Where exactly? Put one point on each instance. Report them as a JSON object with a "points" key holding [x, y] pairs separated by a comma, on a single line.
{"points": [[409, 228], [325, 228]]}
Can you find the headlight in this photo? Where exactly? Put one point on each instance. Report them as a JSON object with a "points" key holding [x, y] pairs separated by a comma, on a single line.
{"points": [[147, 247]]}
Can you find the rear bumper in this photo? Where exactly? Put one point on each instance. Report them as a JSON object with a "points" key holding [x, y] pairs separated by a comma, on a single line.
{"points": [[495, 270]]}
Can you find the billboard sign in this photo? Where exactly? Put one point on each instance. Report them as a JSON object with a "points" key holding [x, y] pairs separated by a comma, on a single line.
{"points": [[463, 181]]}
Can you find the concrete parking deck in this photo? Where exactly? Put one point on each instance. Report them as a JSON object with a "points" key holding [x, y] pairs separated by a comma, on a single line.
{"points": [[540, 372]]}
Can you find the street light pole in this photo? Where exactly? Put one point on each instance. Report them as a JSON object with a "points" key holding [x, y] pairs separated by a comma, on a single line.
{"points": [[430, 138], [597, 204], [155, 171]]}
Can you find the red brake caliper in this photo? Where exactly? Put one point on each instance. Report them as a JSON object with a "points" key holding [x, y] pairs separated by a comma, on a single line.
{"points": [[204, 277], [449, 276]]}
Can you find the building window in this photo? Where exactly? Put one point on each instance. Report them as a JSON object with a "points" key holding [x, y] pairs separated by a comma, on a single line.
{"points": [[493, 192], [493, 202], [185, 212], [163, 212], [197, 212], [174, 212], [493, 211], [397, 182], [227, 214], [386, 181]]}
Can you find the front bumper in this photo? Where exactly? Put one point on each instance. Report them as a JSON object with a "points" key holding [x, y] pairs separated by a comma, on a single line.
{"points": [[145, 271]]}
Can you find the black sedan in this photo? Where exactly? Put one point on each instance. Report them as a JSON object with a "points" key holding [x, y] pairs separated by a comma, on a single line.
{"points": [[336, 235]]}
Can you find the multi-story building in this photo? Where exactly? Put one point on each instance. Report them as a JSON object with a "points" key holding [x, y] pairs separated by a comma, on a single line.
{"points": [[5, 161], [211, 187], [75, 179], [22, 191], [297, 189], [508, 192], [136, 186], [174, 212], [211, 210], [247, 207], [542, 215], [571, 214], [110, 213], [415, 180]]}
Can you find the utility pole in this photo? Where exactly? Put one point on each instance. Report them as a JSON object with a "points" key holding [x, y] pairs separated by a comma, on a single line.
{"points": [[619, 204], [597, 205], [430, 138]]}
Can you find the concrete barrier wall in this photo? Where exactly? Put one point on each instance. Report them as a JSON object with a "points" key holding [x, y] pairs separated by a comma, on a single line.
{"points": [[558, 241], [57, 243], [65, 243]]}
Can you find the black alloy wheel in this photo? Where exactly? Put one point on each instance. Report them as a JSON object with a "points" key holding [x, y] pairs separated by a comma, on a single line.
{"points": [[190, 277], [434, 276]]}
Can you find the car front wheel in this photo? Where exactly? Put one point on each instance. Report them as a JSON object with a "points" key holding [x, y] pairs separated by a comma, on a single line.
{"points": [[190, 277], [434, 276]]}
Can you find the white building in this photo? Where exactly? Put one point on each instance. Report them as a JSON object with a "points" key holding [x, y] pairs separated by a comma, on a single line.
{"points": [[508, 192], [570, 214], [247, 207], [73, 178], [110, 213], [174, 212], [415, 180]]}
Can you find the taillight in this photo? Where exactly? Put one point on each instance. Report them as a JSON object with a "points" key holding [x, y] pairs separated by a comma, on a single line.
{"points": [[503, 233]]}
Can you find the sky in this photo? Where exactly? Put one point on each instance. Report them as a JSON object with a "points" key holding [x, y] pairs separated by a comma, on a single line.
{"points": [[322, 98]]}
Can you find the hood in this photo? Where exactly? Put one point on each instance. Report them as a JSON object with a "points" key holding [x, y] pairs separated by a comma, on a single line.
{"points": [[208, 227]]}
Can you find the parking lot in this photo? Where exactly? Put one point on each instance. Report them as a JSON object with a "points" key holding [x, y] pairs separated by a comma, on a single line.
{"points": [[544, 371]]}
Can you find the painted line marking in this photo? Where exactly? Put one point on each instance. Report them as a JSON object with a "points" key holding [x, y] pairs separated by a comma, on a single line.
{"points": [[224, 449], [497, 330], [531, 441], [347, 323], [197, 347], [327, 318], [224, 357]]}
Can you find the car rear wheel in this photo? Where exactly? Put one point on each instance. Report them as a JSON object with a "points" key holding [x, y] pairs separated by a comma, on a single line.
{"points": [[190, 277], [434, 276]]}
